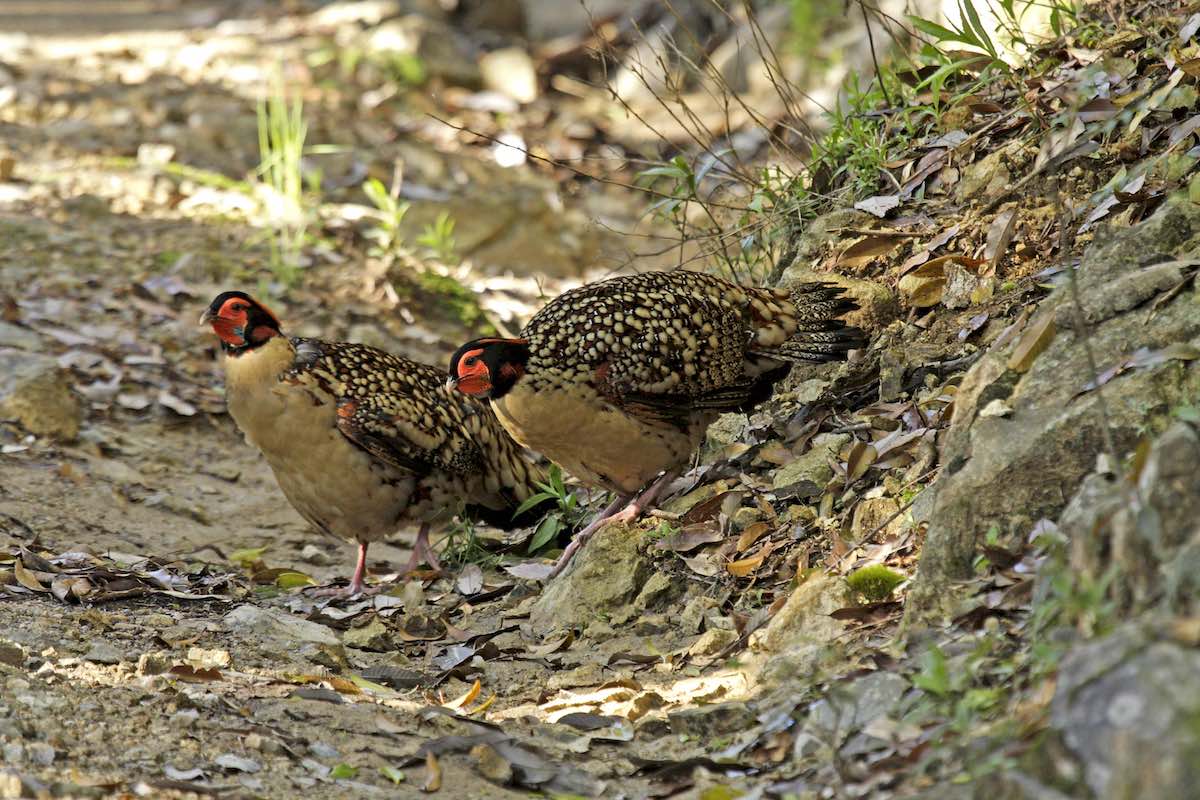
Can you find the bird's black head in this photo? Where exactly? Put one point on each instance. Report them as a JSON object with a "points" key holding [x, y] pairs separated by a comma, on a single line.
{"points": [[241, 322], [488, 367]]}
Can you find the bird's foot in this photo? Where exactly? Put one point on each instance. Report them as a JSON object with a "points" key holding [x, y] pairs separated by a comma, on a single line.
{"points": [[422, 554]]}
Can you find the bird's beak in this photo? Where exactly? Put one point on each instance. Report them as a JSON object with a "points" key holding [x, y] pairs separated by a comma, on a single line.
{"points": [[451, 383], [207, 317]]}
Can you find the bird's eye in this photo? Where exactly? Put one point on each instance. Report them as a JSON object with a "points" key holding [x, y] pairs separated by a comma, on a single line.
{"points": [[240, 307], [472, 361]]}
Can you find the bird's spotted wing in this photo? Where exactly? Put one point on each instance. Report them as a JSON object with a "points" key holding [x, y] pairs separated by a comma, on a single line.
{"points": [[395, 409], [661, 345]]}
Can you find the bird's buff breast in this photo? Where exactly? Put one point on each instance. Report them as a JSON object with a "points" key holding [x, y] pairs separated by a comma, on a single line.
{"points": [[590, 438], [329, 481]]}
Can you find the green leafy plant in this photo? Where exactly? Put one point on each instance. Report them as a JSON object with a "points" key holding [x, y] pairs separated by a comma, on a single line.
{"points": [[390, 211], [565, 514], [438, 237], [463, 546]]}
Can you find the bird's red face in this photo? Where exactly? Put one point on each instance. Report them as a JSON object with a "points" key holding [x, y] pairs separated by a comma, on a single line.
{"points": [[473, 375], [240, 321], [488, 367]]}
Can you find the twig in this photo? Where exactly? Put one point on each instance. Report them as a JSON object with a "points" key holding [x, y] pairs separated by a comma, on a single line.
{"points": [[581, 173], [1081, 324], [874, 59]]}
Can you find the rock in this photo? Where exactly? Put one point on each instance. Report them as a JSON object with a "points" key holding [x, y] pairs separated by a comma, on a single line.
{"points": [[813, 465], [858, 703], [709, 721], [491, 764], [550, 19], [154, 663], [712, 642], [1153, 544], [40, 753], [511, 72], [372, 636], [727, 429], [604, 577], [1126, 708], [103, 653], [441, 51], [1009, 471], [12, 654], [873, 512], [37, 393], [278, 627], [18, 338], [796, 640], [502, 16], [986, 178]]}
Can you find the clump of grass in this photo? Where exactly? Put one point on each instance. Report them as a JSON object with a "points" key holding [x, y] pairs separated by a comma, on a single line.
{"points": [[875, 583], [281, 135], [438, 237], [463, 546]]}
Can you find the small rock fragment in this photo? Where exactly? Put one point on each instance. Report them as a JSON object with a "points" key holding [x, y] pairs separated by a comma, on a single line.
{"points": [[491, 764], [103, 653]]}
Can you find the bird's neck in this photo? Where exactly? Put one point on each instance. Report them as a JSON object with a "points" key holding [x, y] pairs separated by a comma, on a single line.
{"points": [[254, 366]]}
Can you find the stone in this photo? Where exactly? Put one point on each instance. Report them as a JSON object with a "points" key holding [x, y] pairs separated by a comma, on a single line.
{"points": [[40, 753], [154, 663], [813, 465], [1009, 471], [1126, 707], [491, 764], [603, 578], [372, 636], [103, 653], [511, 72], [708, 721], [12, 654], [986, 178], [712, 642], [797, 639], [18, 338], [550, 19], [278, 626], [1154, 543], [440, 50], [876, 514], [727, 429], [37, 393], [859, 702]]}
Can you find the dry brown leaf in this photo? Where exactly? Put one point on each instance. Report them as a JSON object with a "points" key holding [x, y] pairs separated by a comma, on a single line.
{"points": [[466, 698], [751, 535], [433, 777], [862, 456], [999, 236], [26, 578], [868, 248], [1033, 342], [561, 642], [745, 566]]}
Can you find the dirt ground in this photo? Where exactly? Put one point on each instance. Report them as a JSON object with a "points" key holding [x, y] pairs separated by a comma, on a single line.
{"points": [[172, 671]]}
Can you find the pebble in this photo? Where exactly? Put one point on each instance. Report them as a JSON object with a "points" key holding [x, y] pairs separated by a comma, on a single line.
{"points": [[41, 754], [323, 750], [103, 653]]}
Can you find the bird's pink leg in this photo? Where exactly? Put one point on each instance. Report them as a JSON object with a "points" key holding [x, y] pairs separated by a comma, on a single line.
{"points": [[623, 509], [422, 552], [356, 582]]}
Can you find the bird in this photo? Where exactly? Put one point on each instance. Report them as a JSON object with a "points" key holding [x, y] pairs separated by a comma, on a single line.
{"points": [[617, 380], [362, 441]]}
